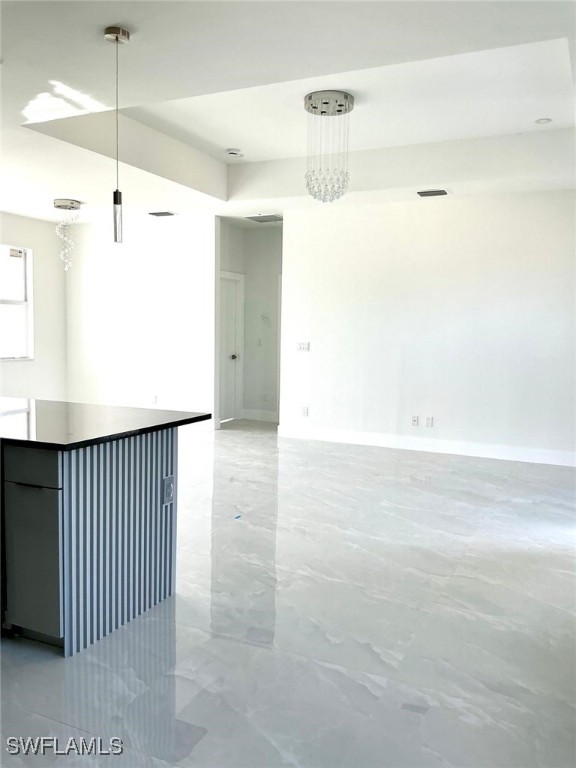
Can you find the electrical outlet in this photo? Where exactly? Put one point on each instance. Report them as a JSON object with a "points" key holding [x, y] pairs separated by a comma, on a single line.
{"points": [[414, 421], [303, 346], [305, 410], [168, 490], [429, 421]]}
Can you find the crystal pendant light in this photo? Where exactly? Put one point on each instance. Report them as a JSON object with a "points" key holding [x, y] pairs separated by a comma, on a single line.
{"points": [[117, 35], [70, 211], [327, 173]]}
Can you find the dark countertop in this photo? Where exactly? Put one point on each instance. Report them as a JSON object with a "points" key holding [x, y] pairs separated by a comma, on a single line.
{"points": [[65, 426]]}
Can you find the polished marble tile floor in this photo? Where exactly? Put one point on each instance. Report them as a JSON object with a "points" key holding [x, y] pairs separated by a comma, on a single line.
{"points": [[337, 607]]}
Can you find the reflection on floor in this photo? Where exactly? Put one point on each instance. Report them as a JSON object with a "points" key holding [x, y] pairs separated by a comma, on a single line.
{"points": [[337, 606]]}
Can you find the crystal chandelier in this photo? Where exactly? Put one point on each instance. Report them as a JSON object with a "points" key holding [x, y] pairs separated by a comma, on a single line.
{"points": [[70, 211], [327, 172]]}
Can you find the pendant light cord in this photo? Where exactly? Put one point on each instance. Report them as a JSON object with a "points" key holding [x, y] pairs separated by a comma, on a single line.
{"points": [[117, 153]]}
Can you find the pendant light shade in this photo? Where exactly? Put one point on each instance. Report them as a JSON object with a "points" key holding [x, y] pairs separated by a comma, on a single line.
{"points": [[117, 202], [327, 172], [117, 35]]}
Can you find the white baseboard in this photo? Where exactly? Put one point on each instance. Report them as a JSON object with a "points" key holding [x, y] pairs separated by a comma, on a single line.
{"points": [[431, 445], [271, 416]]}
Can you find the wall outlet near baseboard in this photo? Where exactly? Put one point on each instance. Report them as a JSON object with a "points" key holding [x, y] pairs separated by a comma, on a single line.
{"points": [[429, 421], [304, 410], [415, 421]]}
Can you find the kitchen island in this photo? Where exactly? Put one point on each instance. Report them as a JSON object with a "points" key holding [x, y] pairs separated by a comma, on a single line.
{"points": [[88, 516]]}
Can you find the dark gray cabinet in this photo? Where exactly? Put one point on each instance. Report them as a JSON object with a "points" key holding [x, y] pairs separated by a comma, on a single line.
{"points": [[33, 529], [33, 466], [33, 518]]}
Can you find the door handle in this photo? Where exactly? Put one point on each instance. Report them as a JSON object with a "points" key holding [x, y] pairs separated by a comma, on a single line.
{"points": [[233, 357]]}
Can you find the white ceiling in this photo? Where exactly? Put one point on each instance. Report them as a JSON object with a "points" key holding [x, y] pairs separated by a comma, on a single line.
{"points": [[231, 57], [487, 93], [182, 49]]}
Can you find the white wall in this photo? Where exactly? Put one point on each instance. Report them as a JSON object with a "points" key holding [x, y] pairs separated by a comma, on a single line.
{"points": [[526, 161], [45, 376], [141, 313], [263, 265], [462, 309], [231, 247], [142, 147]]}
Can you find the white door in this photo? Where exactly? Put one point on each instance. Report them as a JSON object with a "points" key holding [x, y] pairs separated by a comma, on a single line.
{"points": [[231, 345]]}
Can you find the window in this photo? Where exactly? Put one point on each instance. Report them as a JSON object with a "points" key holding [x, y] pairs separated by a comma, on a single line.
{"points": [[18, 418], [16, 317]]}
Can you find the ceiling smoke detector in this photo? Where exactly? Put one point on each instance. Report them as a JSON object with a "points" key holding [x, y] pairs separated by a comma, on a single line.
{"points": [[234, 152], [268, 218], [543, 120], [161, 213], [432, 192]]}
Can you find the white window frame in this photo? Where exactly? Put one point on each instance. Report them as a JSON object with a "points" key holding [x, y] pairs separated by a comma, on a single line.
{"points": [[28, 302], [9, 407]]}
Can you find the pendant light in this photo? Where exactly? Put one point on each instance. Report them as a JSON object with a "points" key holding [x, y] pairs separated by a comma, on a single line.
{"points": [[69, 213], [117, 35], [327, 172]]}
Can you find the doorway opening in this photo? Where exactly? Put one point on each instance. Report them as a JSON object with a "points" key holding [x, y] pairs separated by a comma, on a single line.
{"points": [[249, 269]]}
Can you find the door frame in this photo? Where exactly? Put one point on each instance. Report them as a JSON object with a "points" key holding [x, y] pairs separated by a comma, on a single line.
{"points": [[279, 350], [239, 279]]}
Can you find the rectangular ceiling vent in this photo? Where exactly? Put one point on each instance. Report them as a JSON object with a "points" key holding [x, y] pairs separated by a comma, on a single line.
{"points": [[270, 218], [432, 192], [162, 213]]}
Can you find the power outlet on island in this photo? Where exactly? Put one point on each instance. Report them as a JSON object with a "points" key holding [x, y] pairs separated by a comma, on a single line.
{"points": [[168, 490]]}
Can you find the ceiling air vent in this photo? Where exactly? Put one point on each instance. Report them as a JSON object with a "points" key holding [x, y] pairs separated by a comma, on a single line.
{"points": [[162, 213], [268, 218], [432, 192]]}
